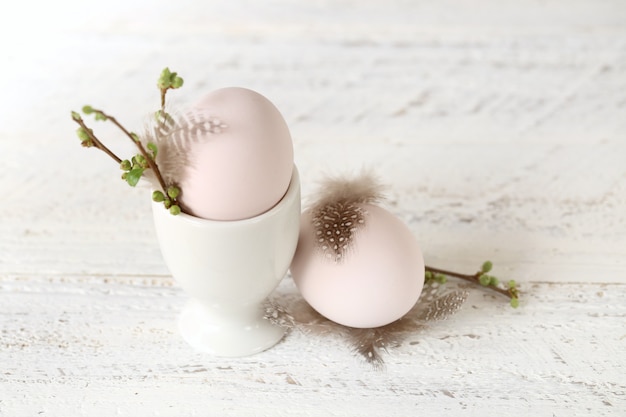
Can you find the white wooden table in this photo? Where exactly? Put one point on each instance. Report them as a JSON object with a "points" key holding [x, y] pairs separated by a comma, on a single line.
{"points": [[499, 126]]}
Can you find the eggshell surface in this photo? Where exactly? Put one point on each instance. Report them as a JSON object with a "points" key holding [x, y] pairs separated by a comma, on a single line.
{"points": [[378, 281], [243, 167]]}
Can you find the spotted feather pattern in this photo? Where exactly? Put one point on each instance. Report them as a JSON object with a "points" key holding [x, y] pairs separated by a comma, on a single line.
{"points": [[437, 307], [335, 227]]}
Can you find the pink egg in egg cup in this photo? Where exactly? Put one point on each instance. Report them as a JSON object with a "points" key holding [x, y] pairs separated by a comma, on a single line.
{"points": [[229, 268]]}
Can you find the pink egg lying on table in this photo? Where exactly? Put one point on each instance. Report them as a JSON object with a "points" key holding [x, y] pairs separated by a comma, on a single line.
{"points": [[242, 165], [361, 267]]}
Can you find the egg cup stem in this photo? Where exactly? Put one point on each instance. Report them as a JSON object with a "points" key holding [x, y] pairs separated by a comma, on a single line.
{"points": [[227, 332]]}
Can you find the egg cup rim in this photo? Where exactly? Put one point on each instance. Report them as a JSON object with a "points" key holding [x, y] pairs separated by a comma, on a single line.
{"points": [[293, 192]]}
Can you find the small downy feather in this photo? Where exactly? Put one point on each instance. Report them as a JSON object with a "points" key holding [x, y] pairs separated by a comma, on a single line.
{"points": [[175, 138], [364, 188], [370, 343]]}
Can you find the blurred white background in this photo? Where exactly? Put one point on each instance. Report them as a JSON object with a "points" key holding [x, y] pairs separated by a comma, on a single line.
{"points": [[499, 125]]}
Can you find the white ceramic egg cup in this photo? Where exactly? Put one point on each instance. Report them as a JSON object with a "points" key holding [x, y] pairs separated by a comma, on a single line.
{"points": [[228, 268]]}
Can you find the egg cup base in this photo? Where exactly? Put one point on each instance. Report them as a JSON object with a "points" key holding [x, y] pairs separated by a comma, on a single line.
{"points": [[227, 334]]}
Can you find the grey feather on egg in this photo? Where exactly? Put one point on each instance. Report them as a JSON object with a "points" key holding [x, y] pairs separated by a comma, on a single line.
{"points": [[175, 138]]}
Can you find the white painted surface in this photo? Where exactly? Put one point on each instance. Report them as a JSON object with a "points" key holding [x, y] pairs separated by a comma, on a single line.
{"points": [[501, 127]]}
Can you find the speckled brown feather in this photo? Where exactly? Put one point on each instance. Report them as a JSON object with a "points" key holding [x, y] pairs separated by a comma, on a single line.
{"points": [[337, 214]]}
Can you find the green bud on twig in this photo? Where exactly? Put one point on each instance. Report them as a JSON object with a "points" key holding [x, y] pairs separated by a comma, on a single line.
{"points": [[153, 148], [82, 134], [484, 280], [169, 79], [173, 192], [157, 196], [486, 266], [175, 210], [76, 117], [441, 278], [177, 82], [88, 109], [164, 80], [125, 165], [164, 117], [141, 161]]}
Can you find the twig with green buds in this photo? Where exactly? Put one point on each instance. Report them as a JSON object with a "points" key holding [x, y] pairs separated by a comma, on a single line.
{"points": [[167, 81], [146, 158], [481, 278], [88, 139]]}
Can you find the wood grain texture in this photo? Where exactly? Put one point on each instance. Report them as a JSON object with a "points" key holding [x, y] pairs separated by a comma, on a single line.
{"points": [[110, 345], [500, 128]]}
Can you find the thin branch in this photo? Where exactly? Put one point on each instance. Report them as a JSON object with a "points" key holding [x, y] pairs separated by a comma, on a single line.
{"points": [[163, 91], [96, 141], [143, 151], [471, 278]]}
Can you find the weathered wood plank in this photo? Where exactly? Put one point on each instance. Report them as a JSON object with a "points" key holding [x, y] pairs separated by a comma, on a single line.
{"points": [[110, 345]]}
